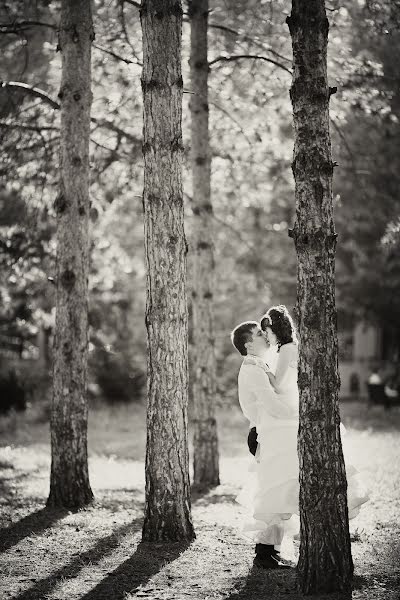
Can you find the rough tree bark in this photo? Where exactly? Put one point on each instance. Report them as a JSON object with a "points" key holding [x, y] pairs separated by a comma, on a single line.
{"points": [[69, 481], [205, 443], [325, 563], [167, 505]]}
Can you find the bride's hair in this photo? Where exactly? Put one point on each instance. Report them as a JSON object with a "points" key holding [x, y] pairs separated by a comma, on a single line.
{"points": [[281, 324]]}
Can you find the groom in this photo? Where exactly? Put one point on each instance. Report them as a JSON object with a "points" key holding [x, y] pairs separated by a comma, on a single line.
{"points": [[254, 396]]}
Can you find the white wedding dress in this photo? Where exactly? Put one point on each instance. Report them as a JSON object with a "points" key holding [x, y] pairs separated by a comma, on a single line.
{"points": [[272, 492]]}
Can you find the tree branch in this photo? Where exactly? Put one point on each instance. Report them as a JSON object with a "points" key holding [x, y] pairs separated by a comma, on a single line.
{"points": [[34, 146], [249, 56], [36, 128], [117, 56], [32, 91], [133, 3], [249, 39], [22, 26], [112, 127], [123, 25], [18, 27]]}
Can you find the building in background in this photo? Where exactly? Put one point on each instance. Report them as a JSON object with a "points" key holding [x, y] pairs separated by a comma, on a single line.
{"points": [[361, 350]]}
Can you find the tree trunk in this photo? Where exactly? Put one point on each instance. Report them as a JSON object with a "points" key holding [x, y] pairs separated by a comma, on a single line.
{"points": [[69, 482], [167, 505], [325, 563], [205, 446]]}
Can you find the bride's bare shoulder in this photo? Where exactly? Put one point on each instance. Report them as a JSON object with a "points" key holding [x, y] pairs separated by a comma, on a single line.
{"points": [[290, 348]]}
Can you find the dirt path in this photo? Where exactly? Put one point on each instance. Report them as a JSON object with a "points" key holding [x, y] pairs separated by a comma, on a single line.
{"points": [[96, 554]]}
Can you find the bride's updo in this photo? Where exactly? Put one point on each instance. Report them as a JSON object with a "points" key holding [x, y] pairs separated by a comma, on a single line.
{"points": [[281, 324]]}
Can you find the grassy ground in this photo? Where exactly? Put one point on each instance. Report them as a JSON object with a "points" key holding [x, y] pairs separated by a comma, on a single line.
{"points": [[96, 553]]}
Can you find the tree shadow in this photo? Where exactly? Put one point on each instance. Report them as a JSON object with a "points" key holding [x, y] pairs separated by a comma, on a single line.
{"points": [[148, 559], [104, 547], [33, 523], [388, 581], [360, 416], [116, 500], [203, 495], [211, 498], [265, 583]]}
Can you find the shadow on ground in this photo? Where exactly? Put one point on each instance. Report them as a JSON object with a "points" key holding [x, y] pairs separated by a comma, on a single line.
{"points": [[205, 497], [147, 560], [105, 546], [261, 584], [34, 523], [380, 582], [361, 417]]}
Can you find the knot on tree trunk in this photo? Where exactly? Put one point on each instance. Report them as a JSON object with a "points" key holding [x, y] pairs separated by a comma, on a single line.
{"points": [[68, 279], [313, 239], [315, 92], [176, 144], [60, 204]]}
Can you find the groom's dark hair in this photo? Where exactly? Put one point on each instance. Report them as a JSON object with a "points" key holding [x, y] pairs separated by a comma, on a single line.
{"points": [[241, 334]]}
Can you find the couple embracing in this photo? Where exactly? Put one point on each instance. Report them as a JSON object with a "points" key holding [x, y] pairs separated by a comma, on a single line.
{"points": [[269, 399]]}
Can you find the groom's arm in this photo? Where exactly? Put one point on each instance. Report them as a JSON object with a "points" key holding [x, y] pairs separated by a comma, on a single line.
{"points": [[264, 395], [247, 399]]}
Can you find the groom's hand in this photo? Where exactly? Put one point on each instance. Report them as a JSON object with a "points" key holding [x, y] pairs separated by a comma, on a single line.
{"points": [[252, 441]]}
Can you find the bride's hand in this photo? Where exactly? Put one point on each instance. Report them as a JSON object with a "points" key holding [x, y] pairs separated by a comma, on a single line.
{"points": [[272, 379]]}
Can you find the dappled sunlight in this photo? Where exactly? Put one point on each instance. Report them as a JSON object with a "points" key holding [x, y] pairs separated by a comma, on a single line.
{"points": [[78, 561], [111, 473]]}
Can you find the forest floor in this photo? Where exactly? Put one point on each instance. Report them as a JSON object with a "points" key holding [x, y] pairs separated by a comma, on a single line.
{"points": [[96, 553]]}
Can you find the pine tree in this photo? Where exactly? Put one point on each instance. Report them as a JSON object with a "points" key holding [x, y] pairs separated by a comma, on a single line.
{"points": [[167, 505], [205, 444], [69, 482], [325, 563]]}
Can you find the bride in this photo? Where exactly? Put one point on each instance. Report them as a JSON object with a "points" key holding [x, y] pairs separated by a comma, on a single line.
{"points": [[276, 496]]}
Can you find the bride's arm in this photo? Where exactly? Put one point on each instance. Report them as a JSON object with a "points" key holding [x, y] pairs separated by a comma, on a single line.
{"points": [[265, 397], [286, 354]]}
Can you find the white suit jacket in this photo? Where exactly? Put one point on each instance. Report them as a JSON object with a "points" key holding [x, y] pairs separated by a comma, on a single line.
{"points": [[256, 395]]}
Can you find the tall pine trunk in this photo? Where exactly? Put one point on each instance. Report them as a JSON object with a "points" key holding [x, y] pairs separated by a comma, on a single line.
{"points": [[205, 446], [325, 563], [167, 505], [69, 481]]}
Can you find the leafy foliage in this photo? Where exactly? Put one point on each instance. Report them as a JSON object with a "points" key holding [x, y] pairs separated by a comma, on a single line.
{"points": [[252, 184]]}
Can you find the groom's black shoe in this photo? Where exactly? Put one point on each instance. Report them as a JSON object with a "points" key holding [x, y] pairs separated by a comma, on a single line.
{"points": [[269, 562], [268, 558]]}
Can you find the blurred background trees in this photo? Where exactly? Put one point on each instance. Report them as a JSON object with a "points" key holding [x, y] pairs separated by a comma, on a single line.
{"points": [[252, 185], [202, 260]]}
